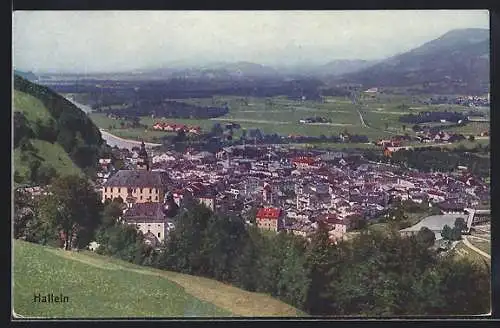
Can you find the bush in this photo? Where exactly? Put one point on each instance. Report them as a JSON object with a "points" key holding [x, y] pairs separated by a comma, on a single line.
{"points": [[426, 237]]}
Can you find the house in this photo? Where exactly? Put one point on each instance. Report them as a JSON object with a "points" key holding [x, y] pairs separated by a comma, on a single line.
{"points": [[194, 130], [270, 218], [372, 90], [450, 207], [151, 219], [303, 162], [169, 127], [158, 126]]}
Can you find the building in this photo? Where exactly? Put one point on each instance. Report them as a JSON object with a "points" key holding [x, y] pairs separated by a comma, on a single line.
{"points": [[270, 218], [139, 186], [144, 186], [151, 218], [143, 159]]}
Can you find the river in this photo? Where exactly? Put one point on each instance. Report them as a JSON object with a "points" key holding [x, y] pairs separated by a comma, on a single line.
{"points": [[111, 139]]}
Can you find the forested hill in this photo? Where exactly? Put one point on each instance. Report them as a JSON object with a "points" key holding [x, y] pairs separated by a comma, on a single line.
{"points": [[45, 122], [457, 62]]}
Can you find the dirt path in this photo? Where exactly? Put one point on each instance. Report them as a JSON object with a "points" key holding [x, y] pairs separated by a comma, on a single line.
{"points": [[480, 238], [474, 248]]}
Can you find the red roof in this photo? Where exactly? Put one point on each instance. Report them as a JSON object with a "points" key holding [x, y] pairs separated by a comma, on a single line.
{"points": [[269, 213], [304, 160]]}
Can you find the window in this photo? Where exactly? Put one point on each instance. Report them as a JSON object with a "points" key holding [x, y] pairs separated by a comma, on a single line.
{"points": [[149, 225], [141, 197], [149, 231], [156, 191], [159, 226], [106, 189], [159, 234], [156, 198], [138, 226]]}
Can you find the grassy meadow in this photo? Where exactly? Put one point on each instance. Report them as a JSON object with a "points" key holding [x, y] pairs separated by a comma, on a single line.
{"points": [[100, 287]]}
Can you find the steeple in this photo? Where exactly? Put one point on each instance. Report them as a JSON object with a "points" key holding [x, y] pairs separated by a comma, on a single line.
{"points": [[143, 161]]}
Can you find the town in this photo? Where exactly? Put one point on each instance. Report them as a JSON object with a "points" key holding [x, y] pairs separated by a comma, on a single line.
{"points": [[276, 188]]}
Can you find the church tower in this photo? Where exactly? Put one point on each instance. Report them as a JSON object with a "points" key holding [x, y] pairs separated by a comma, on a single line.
{"points": [[143, 160]]}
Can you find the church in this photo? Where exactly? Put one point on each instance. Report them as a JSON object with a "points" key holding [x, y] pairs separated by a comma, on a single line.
{"points": [[146, 195]]}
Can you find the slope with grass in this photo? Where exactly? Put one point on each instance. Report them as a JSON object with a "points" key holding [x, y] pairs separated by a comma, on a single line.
{"points": [[99, 286], [51, 130], [50, 154], [31, 107]]}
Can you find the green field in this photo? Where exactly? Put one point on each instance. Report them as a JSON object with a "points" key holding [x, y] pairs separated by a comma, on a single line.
{"points": [[281, 115], [49, 154], [99, 287]]}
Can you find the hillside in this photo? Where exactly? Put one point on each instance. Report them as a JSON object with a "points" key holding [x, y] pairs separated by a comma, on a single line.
{"points": [[457, 62], [50, 154], [98, 286], [50, 133]]}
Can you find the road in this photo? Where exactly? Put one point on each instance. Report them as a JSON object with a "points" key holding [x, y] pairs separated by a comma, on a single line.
{"points": [[363, 124], [113, 140], [474, 248], [83, 107]]}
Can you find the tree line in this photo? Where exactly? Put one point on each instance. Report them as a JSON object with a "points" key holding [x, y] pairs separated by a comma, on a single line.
{"points": [[426, 117]]}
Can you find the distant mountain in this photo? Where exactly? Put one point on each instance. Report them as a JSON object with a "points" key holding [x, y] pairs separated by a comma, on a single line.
{"points": [[223, 70], [457, 62], [30, 76], [343, 66]]}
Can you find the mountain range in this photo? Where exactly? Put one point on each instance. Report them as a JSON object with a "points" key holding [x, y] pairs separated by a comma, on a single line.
{"points": [[458, 61]]}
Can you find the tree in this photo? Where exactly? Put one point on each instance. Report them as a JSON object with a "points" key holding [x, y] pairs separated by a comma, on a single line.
{"points": [[472, 138], [73, 208], [455, 234], [446, 232], [426, 237], [181, 136], [21, 128], [183, 251], [321, 260], [356, 222], [34, 166], [460, 224], [17, 177], [46, 174], [217, 129]]}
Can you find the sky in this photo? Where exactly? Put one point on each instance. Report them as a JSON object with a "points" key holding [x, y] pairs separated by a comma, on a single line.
{"points": [[112, 41]]}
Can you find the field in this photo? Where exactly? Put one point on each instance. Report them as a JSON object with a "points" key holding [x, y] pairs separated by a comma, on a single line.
{"points": [[100, 287], [281, 115], [49, 154]]}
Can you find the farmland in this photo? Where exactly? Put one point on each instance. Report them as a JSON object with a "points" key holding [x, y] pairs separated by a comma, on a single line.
{"points": [[281, 115]]}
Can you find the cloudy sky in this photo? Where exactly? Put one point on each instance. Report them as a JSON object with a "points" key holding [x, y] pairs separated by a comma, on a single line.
{"points": [[93, 41]]}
